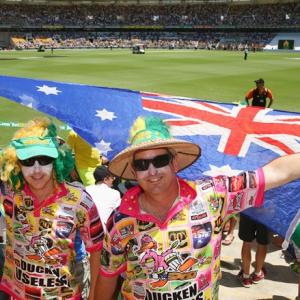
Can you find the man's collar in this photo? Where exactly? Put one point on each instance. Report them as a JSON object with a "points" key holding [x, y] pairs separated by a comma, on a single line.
{"points": [[130, 203], [60, 191]]}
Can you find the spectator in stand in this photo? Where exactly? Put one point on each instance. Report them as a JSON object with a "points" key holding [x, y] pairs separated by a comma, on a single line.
{"points": [[259, 95], [249, 15], [151, 40]]}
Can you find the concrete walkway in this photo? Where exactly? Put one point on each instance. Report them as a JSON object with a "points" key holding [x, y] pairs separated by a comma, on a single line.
{"points": [[280, 283]]}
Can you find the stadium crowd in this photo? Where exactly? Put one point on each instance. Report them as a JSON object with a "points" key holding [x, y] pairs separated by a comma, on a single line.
{"points": [[163, 40], [270, 15], [77, 26]]}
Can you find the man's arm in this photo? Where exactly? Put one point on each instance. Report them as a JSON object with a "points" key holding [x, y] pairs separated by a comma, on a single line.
{"points": [[270, 102], [105, 287], [281, 171], [270, 96], [95, 267], [249, 96]]}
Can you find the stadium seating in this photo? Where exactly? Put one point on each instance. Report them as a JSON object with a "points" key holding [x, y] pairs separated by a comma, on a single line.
{"points": [[225, 26], [166, 40], [245, 16]]}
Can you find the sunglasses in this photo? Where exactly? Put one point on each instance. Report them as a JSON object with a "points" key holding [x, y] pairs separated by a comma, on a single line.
{"points": [[157, 161], [42, 160]]}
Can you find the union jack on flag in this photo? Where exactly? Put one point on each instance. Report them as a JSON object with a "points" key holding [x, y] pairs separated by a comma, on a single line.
{"points": [[233, 138]]}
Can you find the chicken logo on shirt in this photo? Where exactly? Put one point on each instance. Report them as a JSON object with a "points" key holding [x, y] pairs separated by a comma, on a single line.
{"points": [[165, 266]]}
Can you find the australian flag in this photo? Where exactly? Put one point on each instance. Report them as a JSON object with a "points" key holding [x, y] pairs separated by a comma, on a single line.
{"points": [[232, 137]]}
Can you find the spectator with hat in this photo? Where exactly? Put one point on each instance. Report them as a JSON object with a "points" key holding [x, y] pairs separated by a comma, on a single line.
{"points": [[166, 234], [259, 95], [43, 215]]}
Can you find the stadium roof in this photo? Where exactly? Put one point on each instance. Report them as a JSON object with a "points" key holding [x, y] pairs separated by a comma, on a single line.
{"points": [[130, 2]]}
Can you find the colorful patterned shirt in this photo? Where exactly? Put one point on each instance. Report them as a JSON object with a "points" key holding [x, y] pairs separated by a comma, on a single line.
{"points": [[40, 254], [178, 258]]}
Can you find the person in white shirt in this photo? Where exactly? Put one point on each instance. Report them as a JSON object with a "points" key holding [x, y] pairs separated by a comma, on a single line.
{"points": [[105, 198]]}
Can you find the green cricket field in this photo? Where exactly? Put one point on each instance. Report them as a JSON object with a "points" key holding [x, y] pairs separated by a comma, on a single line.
{"points": [[222, 76]]}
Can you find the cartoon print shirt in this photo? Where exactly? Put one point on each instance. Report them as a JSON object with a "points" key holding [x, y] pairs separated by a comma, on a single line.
{"points": [[179, 258], [39, 253]]}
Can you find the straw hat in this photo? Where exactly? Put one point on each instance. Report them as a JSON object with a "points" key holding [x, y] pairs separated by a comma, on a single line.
{"points": [[152, 133]]}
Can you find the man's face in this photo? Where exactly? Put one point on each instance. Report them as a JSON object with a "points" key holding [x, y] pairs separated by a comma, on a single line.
{"points": [[109, 180], [156, 180], [38, 176], [259, 85]]}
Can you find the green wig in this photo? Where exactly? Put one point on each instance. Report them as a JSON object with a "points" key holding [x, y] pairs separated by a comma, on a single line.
{"points": [[43, 128]]}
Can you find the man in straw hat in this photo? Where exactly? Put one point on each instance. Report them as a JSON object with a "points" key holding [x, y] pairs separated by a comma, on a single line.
{"points": [[44, 215], [166, 235]]}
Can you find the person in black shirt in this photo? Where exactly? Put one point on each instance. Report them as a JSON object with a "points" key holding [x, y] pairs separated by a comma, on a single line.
{"points": [[259, 95]]}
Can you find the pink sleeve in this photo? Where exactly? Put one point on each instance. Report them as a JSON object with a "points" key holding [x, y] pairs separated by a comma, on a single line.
{"points": [[260, 194], [91, 230], [243, 191], [113, 259]]}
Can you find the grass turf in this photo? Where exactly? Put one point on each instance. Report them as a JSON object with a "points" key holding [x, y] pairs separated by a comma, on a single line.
{"points": [[213, 75]]}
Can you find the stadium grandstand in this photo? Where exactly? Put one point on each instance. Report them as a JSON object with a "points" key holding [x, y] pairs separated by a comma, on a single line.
{"points": [[170, 24]]}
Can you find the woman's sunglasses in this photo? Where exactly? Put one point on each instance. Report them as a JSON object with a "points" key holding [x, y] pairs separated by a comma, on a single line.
{"points": [[157, 161], [42, 160]]}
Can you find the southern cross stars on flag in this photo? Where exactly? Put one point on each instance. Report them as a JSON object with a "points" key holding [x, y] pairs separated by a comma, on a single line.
{"points": [[232, 138], [48, 90]]}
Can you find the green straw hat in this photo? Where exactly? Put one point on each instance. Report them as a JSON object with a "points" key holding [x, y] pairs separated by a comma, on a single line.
{"points": [[152, 133]]}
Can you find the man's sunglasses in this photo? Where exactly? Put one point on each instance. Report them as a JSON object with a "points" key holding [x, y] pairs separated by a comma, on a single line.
{"points": [[157, 161], [42, 160]]}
